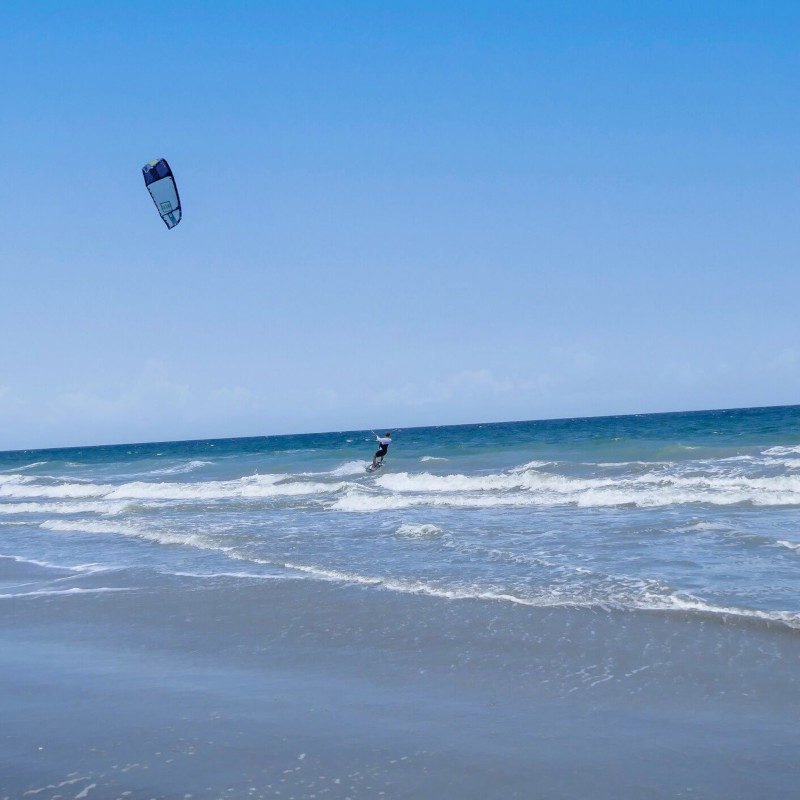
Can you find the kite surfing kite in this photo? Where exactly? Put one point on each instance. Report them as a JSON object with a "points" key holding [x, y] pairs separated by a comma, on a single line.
{"points": [[160, 182]]}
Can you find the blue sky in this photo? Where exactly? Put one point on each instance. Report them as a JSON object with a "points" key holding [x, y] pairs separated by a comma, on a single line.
{"points": [[395, 214]]}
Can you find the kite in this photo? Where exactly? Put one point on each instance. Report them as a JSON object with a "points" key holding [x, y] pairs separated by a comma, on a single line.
{"points": [[160, 182]]}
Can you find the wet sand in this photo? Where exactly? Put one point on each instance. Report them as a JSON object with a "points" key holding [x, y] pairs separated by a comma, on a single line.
{"points": [[302, 689]]}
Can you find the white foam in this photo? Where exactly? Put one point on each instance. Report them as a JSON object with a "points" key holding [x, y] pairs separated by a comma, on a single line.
{"points": [[350, 468], [86, 568], [529, 487], [72, 591], [786, 463], [706, 526], [426, 482], [419, 531], [27, 466], [250, 487], [26, 489], [60, 785], [94, 507], [87, 526], [524, 486], [791, 545], [180, 469], [678, 602], [673, 602], [15, 479], [244, 575], [158, 535], [433, 458], [531, 465], [35, 562], [782, 451]]}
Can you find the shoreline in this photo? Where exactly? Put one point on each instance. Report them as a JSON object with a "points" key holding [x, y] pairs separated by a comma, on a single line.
{"points": [[289, 688]]}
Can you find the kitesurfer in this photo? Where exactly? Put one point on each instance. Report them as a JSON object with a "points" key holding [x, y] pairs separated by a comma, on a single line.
{"points": [[383, 447]]}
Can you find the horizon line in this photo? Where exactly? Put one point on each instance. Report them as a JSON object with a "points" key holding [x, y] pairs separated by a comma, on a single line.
{"points": [[396, 428]]}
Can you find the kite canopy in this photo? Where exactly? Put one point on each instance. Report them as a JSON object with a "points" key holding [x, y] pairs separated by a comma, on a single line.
{"points": [[160, 182]]}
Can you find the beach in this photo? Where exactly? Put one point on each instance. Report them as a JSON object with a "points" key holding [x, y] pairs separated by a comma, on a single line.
{"points": [[211, 626], [344, 692]]}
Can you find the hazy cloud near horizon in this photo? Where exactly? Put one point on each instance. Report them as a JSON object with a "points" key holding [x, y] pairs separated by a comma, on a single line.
{"points": [[162, 399]]}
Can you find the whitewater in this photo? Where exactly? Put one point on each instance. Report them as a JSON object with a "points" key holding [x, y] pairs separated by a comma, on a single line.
{"points": [[684, 512]]}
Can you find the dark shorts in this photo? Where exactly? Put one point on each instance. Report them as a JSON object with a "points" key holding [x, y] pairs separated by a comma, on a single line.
{"points": [[381, 452]]}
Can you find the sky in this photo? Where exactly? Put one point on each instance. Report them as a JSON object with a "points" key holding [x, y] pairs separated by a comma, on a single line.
{"points": [[395, 214]]}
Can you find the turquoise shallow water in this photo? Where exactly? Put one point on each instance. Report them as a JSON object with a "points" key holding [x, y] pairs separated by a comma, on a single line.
{"points": [[692, 512]]}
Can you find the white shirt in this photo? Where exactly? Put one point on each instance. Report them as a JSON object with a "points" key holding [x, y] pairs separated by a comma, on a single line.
{"points": [[384, 440]]}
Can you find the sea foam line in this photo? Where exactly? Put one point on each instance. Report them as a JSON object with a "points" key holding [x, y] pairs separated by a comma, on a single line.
{"points": [[73, 591], [158, 536], [180, 469], [249, 487], [92, 507], [27, 466], [783, 451], [672, 603], [89, 568]]}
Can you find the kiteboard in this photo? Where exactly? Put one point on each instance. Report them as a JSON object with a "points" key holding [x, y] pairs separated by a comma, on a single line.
{"points": [[377, 466]]}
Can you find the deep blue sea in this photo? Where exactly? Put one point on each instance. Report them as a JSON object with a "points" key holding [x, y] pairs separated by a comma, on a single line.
{"points": [[670, 512], [604, 608]]}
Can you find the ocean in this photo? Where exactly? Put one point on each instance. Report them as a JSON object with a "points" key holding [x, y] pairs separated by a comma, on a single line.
{"points": [[598, 607]]}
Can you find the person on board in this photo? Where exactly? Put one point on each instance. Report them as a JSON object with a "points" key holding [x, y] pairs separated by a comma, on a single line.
{"points": [[383, 447]]}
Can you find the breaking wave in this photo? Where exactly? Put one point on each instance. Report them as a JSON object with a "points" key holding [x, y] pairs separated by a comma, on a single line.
{"points": [[346, 488], [531, 487]]}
